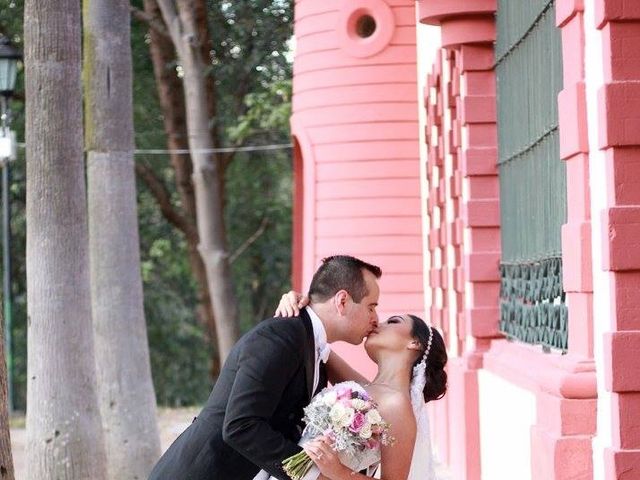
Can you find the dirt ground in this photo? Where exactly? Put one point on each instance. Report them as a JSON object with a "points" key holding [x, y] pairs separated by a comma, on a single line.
{"points": [[172, 422]]}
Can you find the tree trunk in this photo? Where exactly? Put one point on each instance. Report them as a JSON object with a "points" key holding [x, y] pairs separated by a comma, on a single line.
{"points": [[6, 460], [64, 433], [171, 95], [126, 394], [182, 23]]}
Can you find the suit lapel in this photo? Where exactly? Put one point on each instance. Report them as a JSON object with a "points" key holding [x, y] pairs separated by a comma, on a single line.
{"points": [[310, 352]]}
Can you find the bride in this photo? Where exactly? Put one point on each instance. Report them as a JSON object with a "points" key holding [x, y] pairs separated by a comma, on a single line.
{"points": [[411, 357]]}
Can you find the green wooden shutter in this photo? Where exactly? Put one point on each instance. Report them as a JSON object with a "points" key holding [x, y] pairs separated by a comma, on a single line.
{"points": [[533, 199]]}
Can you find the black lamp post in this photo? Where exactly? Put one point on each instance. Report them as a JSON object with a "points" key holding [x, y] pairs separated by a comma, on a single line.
{"points": [[9, 58]]}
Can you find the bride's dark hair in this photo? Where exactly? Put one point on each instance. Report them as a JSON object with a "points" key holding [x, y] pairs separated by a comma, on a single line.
{"points": [[436, 385]]}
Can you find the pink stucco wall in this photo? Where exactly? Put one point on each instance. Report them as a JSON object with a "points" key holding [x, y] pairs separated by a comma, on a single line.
{"points": [[462, 85], [618, 26], [355, 118], [355, 127]]}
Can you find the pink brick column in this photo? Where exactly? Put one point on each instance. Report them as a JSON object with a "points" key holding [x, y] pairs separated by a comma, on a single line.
{"points": [[619, 117], [439, 234], [475, 126], [574, 150], [563, 445], [463, 208]]}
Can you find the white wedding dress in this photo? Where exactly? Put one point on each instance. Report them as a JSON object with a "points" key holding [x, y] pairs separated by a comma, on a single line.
{"points": [[422, 467]]}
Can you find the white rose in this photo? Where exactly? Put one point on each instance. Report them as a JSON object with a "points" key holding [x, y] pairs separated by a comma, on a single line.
{"points": [[330, 398], [365, 432], [337, 413], [348, 417], [373, 417], [358, 404]]}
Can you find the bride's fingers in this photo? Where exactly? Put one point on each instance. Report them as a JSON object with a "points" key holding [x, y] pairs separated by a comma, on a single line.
{"points": [[292, 303], [285, 308], [326, 448], [326, 458], [313, 451], [318, 450], [302, 300]]}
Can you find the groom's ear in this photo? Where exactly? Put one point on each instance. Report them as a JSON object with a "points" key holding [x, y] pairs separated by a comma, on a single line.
{"points": [[340, 300]]}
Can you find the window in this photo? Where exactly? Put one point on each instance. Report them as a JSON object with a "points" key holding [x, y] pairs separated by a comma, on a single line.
{"points": [[532, 176]]}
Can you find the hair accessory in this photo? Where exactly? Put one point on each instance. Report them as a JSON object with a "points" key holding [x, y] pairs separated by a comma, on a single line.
{"points": [[429, 342], [419, 378]]}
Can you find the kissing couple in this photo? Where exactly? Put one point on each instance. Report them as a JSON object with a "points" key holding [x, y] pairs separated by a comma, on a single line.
{"points": [[252, 421]]}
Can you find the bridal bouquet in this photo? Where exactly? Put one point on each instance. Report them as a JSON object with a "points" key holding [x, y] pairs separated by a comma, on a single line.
{"points": [[349, 417]]}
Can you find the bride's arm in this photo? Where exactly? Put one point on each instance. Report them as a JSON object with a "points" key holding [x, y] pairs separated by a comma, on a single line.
{"points": [[338, 370], [290, 304], [396, 458]]}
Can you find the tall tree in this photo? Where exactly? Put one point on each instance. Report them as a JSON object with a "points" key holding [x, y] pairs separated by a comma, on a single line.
{"points": [[64, 431], [242, 54], [181, 18], [171, 96], [126, 395], [6, 460]]}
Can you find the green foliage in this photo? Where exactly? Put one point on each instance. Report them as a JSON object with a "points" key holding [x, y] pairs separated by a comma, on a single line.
{"points": [[11, 20], [18, 365], [266, 112], [249, 62], [11, 26], [251, 66], [177, 343], [179, 352], [261, 186], [253, 91]]}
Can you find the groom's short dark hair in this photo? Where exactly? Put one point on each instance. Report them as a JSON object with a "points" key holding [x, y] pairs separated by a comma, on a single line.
{"points": [[341, 272]]}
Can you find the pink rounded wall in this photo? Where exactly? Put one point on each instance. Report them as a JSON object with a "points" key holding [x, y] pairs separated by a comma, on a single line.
{"points": [[355, 121]]}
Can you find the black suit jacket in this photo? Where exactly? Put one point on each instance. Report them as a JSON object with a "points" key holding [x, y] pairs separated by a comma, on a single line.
{"points": [[252, 419]]}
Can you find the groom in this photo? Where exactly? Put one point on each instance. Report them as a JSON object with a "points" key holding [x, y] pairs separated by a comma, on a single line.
{"points": [[252, 419]]}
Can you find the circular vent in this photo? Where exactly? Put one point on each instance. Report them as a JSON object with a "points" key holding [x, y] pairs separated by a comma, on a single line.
{"points": [[365, 26]]}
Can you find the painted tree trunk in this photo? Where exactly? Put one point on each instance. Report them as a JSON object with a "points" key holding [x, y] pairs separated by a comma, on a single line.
{"points": [[6, 460], [181, 20], [126, 394], [171, 95], [64, 432]]}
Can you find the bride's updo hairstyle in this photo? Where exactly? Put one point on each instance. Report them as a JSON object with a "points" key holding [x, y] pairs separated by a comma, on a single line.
{"points": [[436, 377]]}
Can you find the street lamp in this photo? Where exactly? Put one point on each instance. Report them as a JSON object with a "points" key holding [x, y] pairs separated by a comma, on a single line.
{"points": [[9, 58]]}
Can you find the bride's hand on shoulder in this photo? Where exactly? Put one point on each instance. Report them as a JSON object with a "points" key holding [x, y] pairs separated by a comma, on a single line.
{"points": [[326, 459], [290, 304]]}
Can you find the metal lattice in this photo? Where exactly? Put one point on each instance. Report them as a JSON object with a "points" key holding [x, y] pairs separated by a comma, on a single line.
{"points": [[532, 176]]}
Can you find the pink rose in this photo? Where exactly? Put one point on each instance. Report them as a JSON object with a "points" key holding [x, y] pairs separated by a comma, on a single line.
{"points": [[357, 422], [344, 393]]}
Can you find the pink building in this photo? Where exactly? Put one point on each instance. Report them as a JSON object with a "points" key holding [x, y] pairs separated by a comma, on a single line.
{"points": [[485, 154]]}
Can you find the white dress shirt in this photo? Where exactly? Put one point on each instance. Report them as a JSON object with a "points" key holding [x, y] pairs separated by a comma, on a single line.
{"points": [[322, 348]]}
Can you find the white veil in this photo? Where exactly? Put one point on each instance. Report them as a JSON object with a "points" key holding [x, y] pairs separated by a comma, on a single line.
{"points": [[422, 467]]}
